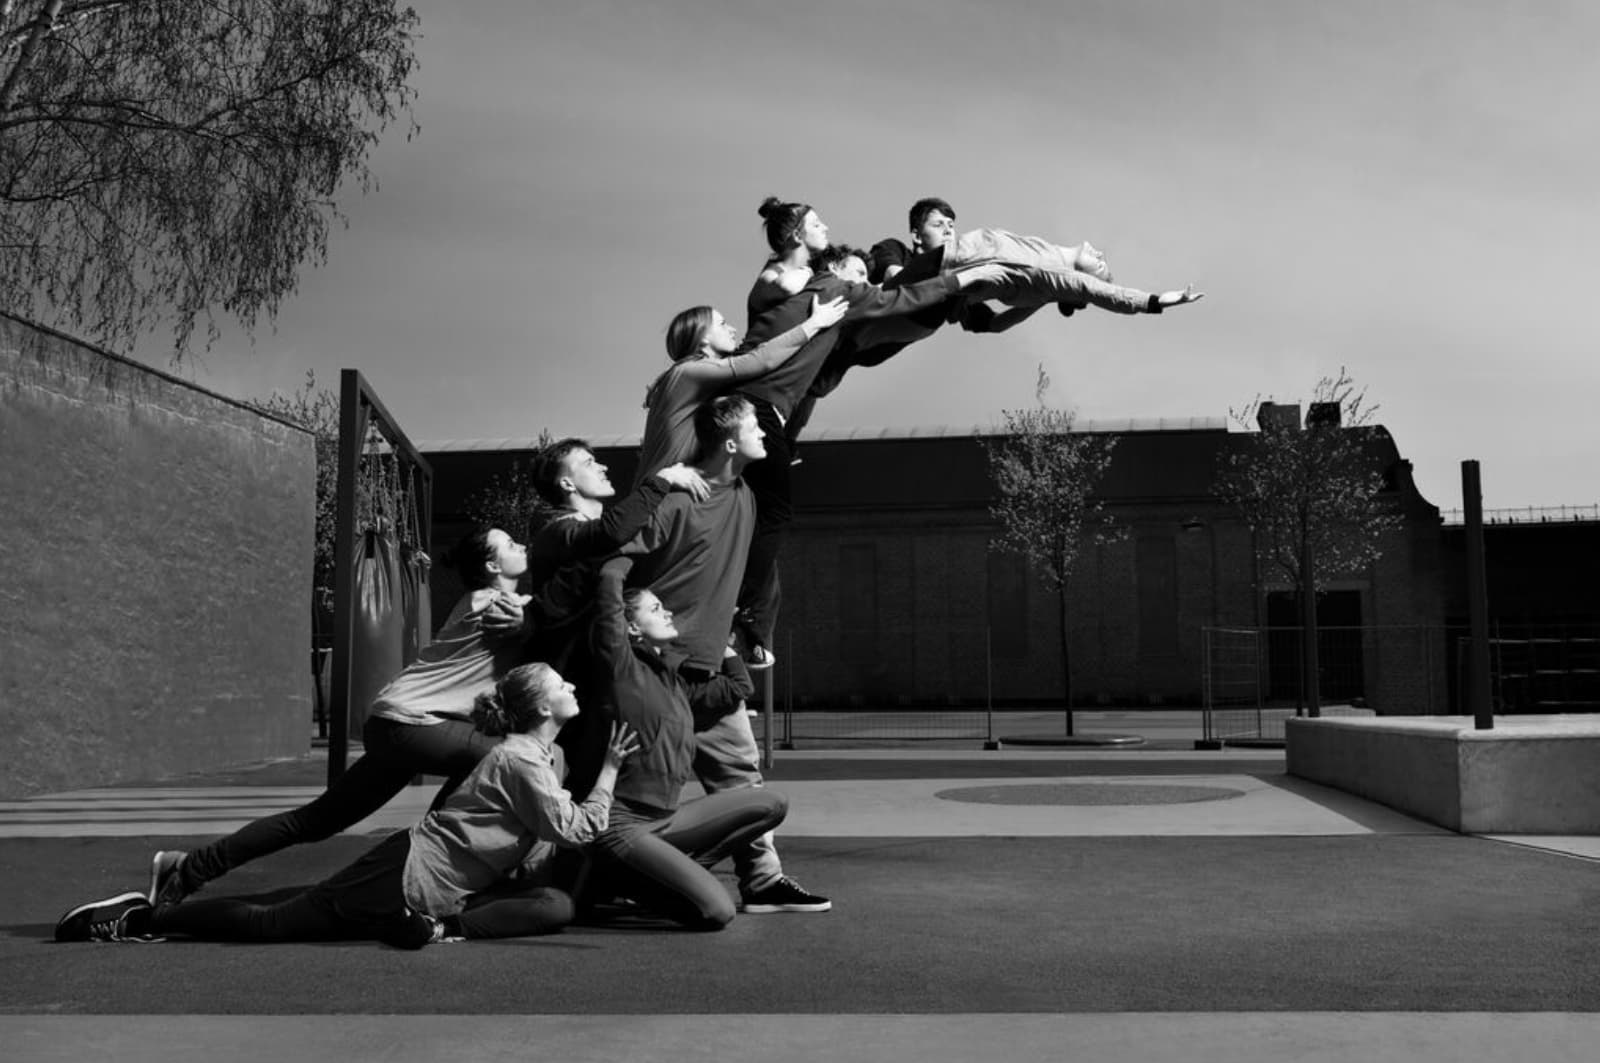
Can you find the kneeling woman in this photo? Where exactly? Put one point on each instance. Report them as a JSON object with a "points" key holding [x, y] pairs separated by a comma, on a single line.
{"points": [[481, 866], [656, 849]]}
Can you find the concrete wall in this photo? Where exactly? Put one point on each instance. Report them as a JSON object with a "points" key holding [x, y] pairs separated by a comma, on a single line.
{"points": [[155, 572], [1528, 775]]}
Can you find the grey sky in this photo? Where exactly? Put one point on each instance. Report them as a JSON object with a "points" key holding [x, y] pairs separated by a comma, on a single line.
{"points": [[1407, 189]]}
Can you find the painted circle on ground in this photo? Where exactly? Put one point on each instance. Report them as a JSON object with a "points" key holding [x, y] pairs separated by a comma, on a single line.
{"points": [[1087, 794]]}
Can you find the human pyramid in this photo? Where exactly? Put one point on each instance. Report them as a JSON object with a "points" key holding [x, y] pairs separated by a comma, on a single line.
{"points": [[659, 604]]}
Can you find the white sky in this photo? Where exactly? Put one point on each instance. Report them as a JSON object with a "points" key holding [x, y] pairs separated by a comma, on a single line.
{"points": [[1407, 188]]}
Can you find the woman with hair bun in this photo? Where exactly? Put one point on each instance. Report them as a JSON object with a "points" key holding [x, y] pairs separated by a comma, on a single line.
{"points": [[420, 723], [794, 232], [481, 866]]}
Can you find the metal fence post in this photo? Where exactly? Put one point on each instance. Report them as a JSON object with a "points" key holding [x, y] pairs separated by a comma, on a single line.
{"points": [[766, 716], [988, 687], [1477, 601]]}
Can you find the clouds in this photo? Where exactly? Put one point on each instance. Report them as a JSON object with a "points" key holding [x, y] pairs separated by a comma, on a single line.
{"points": [[1405, 189]]}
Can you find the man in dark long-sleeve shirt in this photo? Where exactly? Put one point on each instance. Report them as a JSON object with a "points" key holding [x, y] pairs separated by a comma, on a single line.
{"points": [[563, 558]]}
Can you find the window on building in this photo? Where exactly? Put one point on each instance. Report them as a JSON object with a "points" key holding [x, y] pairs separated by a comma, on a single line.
{"points": [[1008, 605], [858, 602]]}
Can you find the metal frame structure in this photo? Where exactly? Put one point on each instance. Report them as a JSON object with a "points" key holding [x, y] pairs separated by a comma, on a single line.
{"points": [[360, 409]]}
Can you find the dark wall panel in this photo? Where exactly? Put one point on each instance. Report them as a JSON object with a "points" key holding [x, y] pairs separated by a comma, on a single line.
{"points": [[155, 572]]}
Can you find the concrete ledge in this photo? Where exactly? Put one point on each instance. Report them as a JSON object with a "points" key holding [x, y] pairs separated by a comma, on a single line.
{"points": [[1529, 775]]}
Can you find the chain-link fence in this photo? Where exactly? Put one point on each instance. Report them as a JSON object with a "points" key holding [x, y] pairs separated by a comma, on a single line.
{"points": [[1251, 677]]}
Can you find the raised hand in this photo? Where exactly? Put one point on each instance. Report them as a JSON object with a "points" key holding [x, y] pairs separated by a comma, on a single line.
{"points": [[825, 315], [624, 743], [682, 478], [504, 618], [1187, 295]]}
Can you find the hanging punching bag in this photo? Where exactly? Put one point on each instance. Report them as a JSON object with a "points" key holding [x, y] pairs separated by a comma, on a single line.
{"points": [[375, 655]]}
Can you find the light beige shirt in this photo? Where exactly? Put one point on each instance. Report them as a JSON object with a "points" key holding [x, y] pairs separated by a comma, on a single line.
{"points": [[511, 811]]}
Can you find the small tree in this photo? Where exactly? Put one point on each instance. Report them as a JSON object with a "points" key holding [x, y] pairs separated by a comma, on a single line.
{"points": [[160, 160], [317, 409], [1046, 475], [1312, 496], [510, 502]]}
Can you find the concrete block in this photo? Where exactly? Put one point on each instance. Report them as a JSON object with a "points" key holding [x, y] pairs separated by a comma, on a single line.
{"points": [[1529, 775]]}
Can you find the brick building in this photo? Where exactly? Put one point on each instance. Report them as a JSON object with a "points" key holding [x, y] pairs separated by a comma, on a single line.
{"points": [[893, 597]]}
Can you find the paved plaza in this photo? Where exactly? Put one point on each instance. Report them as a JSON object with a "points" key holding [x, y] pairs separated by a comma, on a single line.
{"points": [[1021, 904]]}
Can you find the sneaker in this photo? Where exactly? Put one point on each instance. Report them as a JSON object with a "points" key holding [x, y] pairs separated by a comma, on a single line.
{"points": [[410, 930], [105, 920], [166, 878], [784, 895]]}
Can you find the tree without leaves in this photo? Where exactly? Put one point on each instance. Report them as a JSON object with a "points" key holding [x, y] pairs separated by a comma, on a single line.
{"points": [[1312, 496], [1046, 475], [1316, 486], [162, 159]]}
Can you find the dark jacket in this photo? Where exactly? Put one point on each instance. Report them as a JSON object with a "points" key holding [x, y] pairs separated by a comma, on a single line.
{"points": [[643, 688], [772, 311]]}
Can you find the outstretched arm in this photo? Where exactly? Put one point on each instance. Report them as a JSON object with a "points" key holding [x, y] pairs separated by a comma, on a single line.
{"points": [[867, 302], [764, 359], [609, 636]]}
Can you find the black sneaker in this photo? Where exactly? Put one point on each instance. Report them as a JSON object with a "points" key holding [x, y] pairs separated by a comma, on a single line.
{"points": [[784, 895], [409, 930], [105, 920], [166, 878]]}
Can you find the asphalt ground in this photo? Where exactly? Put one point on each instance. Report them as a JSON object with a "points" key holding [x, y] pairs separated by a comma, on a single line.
{"points": [[1146, 905], [1375, 923]]}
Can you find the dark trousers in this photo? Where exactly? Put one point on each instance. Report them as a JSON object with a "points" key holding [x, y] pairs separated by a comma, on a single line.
{"points": [[363, 901], [393, 754], [771, 482], [661, 862]]}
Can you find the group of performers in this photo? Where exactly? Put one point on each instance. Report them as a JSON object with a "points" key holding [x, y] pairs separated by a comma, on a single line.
{"points": [[649, 610]]}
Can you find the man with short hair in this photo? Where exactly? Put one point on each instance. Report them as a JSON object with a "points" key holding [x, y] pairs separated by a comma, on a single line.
{"points": [[690, 555], [933, 230], [563, 561]]}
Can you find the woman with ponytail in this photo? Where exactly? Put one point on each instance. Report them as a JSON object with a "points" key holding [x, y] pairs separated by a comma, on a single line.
{"points": [[700, 345], [481, 866], [420, 723]]}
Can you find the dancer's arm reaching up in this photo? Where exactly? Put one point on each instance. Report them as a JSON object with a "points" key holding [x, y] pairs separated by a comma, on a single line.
{"points": [[718, 370]]}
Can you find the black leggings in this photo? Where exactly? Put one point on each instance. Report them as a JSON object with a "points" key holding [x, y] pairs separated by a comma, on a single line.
{"points": [[393, 753], [661, 862], [365, 901]]}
